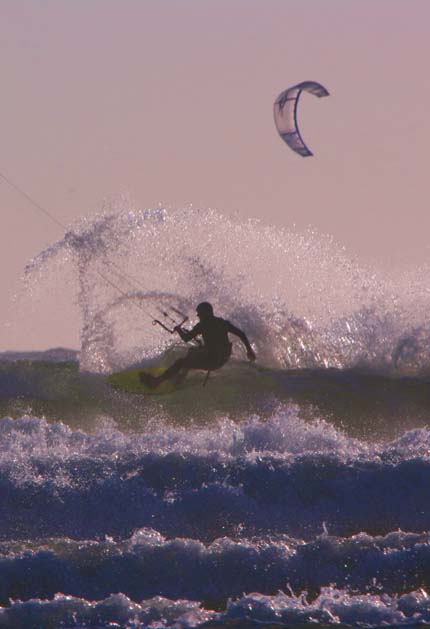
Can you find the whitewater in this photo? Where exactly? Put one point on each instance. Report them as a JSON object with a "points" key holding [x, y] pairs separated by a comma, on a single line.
{"points": [[290, 492]]}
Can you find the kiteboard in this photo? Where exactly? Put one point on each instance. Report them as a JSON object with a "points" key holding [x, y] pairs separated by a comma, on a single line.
{"points": [[129, 382]]}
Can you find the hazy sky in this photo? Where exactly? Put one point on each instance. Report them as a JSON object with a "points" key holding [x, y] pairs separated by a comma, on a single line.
{"points": [[171, 100]]}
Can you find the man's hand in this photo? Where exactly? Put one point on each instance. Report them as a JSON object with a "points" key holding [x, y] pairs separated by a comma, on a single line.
{"points": [[251, 354]]}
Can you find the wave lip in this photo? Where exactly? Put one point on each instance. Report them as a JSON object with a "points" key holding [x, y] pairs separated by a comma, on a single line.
{"points": [[282, 476]]}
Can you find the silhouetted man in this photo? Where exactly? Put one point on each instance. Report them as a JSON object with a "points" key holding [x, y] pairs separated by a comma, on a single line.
{"points": [[213, 354]]}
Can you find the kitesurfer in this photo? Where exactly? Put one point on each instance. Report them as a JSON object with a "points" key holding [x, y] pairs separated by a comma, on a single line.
{"points": [[213, 354]]}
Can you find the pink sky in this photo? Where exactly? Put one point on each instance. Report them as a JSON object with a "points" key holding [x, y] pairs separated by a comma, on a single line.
{"points": [[171, 100]]}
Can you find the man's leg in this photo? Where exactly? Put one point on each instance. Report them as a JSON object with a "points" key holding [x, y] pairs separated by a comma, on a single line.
{"points": [[196, 358], [154, 381]]}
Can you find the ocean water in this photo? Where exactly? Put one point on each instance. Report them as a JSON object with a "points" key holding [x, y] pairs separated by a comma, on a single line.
{"points": [[292, 492]]}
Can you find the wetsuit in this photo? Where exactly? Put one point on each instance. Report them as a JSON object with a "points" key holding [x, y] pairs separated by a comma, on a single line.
{"points": [[216, 349]]}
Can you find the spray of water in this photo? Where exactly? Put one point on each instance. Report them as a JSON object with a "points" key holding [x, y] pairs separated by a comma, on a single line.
{"points": [[301, 299]]}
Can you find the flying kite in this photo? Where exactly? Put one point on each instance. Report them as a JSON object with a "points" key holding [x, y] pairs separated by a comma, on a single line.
{"points": [[285, 112]]}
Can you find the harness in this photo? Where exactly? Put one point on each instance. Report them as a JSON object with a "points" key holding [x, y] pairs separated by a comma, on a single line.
{"points": [[227, 356]]}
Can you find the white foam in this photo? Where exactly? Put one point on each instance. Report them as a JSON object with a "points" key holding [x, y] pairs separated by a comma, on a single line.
{"points": [[331, 607]]}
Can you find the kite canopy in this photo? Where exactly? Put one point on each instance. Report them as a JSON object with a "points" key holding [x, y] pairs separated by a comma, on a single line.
{"points": [[285, 112]]}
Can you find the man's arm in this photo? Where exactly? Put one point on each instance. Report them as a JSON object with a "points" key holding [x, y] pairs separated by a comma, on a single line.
{"points": [[188, 335], [234, 330]]}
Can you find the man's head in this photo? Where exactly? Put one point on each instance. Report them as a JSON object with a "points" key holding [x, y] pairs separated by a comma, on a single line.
{"points": [[204, 310]]}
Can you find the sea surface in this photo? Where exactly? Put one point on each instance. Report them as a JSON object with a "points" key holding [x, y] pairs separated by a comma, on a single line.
{"points": [[290, 492]]}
